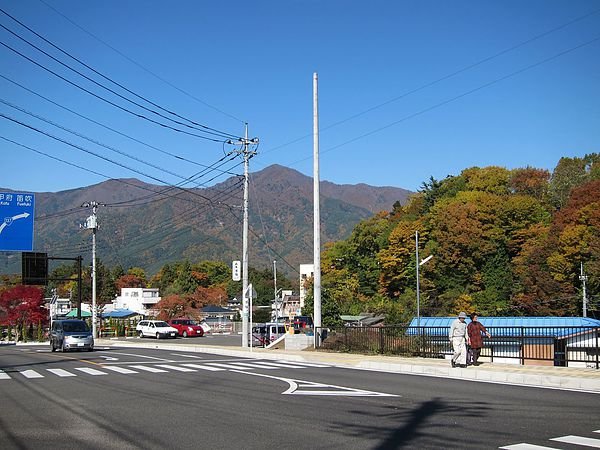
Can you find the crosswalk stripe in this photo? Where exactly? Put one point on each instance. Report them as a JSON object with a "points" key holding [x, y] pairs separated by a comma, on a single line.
{"points": [[198, 366], [526, 447], [90, 371], [31, 374], [229, 366], [149, 369], [4, 376], [119, 369], [578, 440], [61, 372], [285, 366], [306, 364], [256, 365], [178, 368]]}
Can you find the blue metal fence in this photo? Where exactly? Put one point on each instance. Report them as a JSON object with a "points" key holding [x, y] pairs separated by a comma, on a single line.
{"points": [[559, 346]]}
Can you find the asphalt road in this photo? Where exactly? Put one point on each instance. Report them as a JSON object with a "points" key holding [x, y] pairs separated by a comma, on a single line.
{"points": [[54, 400]]}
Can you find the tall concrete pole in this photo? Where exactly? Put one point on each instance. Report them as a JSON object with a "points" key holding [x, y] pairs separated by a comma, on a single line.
{"points": [[316, 213], [275, 291], [245, 307], [418, 293], [94, 314]]}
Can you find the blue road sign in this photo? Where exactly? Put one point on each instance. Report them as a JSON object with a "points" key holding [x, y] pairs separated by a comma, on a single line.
{"points": [[16, 221]]}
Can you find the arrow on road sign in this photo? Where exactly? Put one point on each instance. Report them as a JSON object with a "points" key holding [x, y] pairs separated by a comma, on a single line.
{"points": [[9, 220]]}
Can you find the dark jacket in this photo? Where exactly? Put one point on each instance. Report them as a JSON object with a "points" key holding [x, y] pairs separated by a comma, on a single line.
{"points": [[476, 331]]}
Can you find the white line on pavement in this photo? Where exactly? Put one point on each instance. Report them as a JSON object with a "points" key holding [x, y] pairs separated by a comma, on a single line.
{"points": [[61, 372], [148, 369], [578, 440], [90, 371], [525, 446], [31, 374], [119, 369], [178, 368], [198, 366], [4, 376]]}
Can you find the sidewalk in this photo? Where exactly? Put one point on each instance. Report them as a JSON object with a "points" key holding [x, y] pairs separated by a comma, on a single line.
{"points": [[568, 378]]}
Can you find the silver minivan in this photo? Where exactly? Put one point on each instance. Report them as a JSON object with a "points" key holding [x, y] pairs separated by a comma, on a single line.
{"points": [[71, 334]]}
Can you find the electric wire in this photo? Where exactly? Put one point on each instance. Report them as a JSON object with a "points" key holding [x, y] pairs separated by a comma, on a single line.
{"points": [[141, 66], [122, 108], [457, 97], [443, 78], [178, 157], [198, 126]]}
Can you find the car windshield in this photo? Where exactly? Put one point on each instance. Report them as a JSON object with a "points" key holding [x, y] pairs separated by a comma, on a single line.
{"points": [[161, 324], [70, 327]]}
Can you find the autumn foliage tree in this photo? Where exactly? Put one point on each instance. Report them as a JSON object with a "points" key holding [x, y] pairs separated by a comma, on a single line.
{"points": [[22, 307]]}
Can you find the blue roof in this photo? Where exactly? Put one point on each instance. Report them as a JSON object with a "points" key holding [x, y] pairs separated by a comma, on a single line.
{"points": [[513, 321], [216, 309], [119, 313]]}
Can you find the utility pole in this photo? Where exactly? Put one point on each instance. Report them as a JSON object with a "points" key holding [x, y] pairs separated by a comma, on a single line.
{"points": [[316, 213], [92, 224], [275, 292], [584, 279], [246, 154], [418, 294]]}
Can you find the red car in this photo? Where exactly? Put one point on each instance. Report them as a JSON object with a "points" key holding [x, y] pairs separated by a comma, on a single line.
{"points": [[187, 327]]}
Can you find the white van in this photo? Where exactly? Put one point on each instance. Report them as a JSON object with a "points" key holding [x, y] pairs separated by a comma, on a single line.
{"points": [[265, 333]]}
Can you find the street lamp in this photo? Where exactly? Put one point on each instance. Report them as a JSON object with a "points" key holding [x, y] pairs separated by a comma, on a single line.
{"points": [[419, 264]]}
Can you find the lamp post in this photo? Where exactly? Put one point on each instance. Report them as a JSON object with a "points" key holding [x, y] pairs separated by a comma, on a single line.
{"points": [[419, 264]]}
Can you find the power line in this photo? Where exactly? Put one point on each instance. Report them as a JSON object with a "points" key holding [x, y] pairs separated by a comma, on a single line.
{"points": [[203, 128], [141, 66], [181, 158], [443, 78], [457, 97], [141, 116]]}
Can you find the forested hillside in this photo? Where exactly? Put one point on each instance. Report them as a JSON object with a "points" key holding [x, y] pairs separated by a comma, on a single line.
{"points": [[504, 242]]}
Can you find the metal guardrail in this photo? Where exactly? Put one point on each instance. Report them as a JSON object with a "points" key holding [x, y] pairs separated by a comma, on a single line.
{"points": [[558, 346]]}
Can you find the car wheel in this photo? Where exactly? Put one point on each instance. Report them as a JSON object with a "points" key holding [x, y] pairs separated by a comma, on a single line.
{"points": [[91, 349], [141, 333], [157, 335], [184, 334], [52, 347]]}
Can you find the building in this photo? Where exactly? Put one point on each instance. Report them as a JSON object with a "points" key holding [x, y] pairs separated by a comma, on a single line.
{"points": [[140, 300], [307, 272]]}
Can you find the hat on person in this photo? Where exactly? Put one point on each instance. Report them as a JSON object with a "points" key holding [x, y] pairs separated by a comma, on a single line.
{"points": [[462, 315]]}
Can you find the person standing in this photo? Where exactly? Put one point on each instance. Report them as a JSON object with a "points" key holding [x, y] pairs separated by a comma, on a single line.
{"points": [[476, 331], [459, 339]]}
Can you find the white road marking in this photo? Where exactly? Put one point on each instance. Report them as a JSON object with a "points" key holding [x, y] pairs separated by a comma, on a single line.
{"points": [[109, 358], [31, 374], [61, 372], [524, 446], [180, 369], [256, 365], [228, 366], [285, 366], [578, 440], [332, 390], [90, 371], [149, 369], [4, 376], [198, 366], [306, 364], [140, 356], [119, 369], [186, 356]]}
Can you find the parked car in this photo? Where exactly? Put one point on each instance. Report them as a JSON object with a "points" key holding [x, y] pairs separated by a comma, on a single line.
{"points": [[71, 334], [155, 328], [187, 327]]}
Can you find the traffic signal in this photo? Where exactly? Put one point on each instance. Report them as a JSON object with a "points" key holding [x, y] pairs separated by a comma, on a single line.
{"points": [[34, 268]]}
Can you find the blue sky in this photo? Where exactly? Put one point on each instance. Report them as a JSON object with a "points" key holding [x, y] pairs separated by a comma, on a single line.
{"points": [[254, 61]]}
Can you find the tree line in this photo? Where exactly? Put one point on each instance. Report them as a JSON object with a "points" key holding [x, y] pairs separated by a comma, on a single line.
{"points": [[504, 243]]}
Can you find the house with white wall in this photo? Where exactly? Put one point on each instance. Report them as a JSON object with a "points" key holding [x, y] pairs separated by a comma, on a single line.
{"points": [[141, 300]]}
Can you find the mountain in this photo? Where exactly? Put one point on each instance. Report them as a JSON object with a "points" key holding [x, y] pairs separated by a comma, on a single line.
{"points": [[145, 225]]}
